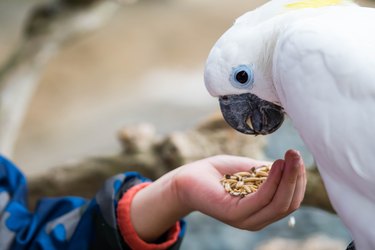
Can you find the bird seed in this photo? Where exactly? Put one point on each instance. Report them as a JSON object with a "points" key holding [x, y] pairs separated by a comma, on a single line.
{"points": [[244, 183]]}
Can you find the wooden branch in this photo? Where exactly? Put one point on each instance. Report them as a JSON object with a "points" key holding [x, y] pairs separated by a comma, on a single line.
{"points": [[48, 28], [144, 151], [148, 153], [84, 178], [316, 194]]}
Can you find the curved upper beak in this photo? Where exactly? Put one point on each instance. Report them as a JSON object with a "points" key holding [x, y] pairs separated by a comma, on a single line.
{"points": [[249, 114]]}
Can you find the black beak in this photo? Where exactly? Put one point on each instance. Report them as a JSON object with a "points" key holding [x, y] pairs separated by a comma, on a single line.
{"points": [[249, 114]]}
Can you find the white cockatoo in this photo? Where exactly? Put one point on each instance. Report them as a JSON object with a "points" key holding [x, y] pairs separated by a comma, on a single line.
{"points": [[313, 60]]}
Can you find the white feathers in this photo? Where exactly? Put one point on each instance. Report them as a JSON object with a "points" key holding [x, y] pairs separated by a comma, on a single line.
{"points": [[319, 64], [331, 60]]}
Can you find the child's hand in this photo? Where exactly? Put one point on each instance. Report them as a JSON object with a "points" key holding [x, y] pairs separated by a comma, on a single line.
{"points": [[198, 187]]}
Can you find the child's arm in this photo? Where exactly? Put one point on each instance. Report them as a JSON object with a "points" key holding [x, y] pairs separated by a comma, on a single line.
{"points": [[196, 187], [127, 213], [63, 222]]}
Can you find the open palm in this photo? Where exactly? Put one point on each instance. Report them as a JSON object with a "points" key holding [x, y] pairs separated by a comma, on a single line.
{"points": [[199, 188]]}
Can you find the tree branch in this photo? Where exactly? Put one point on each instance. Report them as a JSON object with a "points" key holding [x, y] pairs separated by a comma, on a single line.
{"points": [[48, 28], [316, 194], [144, 151]]}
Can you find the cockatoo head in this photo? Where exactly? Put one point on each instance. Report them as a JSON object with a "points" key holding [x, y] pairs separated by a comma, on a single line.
{"points": [[239, 66], [239, 72]]}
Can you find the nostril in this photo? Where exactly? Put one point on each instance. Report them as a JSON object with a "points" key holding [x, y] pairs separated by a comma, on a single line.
{"points": [[224, 98]]}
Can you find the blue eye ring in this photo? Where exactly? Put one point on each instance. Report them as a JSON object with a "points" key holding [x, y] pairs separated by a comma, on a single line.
{"points": [[242, 77]]}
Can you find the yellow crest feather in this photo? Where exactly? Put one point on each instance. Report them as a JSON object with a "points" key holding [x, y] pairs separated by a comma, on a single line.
{"points": [[313, 4]]}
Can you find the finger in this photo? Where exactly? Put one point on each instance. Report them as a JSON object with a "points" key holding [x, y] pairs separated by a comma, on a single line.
{"points": [[302, 187], [281, 202], [292, 170], [254, 202], [299, 191]]}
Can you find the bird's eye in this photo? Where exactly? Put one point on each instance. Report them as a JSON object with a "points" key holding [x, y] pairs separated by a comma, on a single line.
{"points": [[242, 77]]}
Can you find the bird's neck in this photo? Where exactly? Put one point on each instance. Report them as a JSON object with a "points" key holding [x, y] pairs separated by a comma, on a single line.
{"points": [[270, 32]]}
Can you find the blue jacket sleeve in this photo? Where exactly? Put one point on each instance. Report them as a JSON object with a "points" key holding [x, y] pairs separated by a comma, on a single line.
{"points": [[62, 223]]}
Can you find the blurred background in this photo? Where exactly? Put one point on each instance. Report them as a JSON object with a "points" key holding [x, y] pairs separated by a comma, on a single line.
{"points": [[146, 65]]}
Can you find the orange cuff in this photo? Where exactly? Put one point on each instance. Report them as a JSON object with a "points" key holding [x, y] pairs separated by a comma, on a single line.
{"points": [[127, 230]]}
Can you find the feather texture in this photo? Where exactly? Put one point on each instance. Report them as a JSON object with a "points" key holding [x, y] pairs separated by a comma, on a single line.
{"points": [[325, 79], [318, 62]]}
